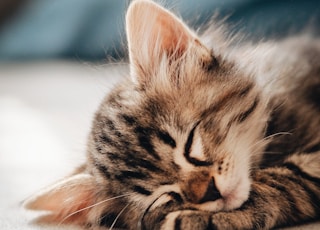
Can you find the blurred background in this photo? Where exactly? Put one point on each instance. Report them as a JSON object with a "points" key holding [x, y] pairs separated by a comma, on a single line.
{"points": [[93, 30], [57, 61]]}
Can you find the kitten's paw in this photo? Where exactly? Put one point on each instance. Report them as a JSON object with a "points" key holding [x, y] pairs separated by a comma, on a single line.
{"points": [[187, 220], [200, 220]]}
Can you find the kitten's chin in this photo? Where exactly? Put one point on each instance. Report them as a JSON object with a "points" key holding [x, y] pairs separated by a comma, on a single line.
{"points": [[238, 195], [230, 200]]}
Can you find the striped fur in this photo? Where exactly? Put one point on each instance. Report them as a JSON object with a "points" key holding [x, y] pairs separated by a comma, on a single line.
{"points": [[205, 135]]}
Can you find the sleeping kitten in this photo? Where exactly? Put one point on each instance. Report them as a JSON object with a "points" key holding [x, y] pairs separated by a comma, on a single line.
{"points": [[203, 135]]}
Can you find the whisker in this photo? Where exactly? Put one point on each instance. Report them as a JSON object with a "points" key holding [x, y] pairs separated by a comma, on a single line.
{"points": [[277, 134], [274, 135], [269, 137], [116, 219], [94, 205], [265, 141]]}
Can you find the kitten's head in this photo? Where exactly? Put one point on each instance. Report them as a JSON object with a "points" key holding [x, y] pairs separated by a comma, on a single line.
{"points": [[186, 122]]}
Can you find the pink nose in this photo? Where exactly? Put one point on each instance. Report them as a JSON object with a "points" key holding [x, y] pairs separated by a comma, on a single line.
{"points": [[212, 192]]}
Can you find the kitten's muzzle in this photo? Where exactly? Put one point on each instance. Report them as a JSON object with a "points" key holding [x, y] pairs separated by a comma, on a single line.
{"points": [[201, 188], [212, 193]]}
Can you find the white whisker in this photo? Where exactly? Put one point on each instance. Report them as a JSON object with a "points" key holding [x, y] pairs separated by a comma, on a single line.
{"points": [[265, 141], [115, 220], [277, 134], [94, 205], [269, 137]]}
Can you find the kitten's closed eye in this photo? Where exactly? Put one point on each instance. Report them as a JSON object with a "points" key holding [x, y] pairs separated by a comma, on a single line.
{"points": [[193, 150]]}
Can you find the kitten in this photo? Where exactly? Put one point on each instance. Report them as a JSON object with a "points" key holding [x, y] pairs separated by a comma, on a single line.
{"points": [[203, 135]]}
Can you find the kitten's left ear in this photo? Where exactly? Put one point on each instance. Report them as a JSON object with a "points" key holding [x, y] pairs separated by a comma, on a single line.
{"points": [[68, 201], [153, 32]]}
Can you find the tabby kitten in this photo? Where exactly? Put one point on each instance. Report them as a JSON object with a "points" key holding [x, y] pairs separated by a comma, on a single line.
{"points": [[203, 135]]}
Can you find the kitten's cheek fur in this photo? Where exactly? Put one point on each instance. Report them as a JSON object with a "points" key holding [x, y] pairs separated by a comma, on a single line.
{"points": [[238, 195]]}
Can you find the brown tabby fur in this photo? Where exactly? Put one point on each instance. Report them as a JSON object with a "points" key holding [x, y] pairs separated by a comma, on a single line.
{"points": [[204, 135]]}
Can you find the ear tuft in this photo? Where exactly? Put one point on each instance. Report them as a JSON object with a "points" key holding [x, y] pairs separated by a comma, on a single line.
{"points": [[66, 200]]}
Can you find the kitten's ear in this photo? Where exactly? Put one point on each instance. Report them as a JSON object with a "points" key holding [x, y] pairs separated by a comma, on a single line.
{"points": [[65, 201], [153, 32]]}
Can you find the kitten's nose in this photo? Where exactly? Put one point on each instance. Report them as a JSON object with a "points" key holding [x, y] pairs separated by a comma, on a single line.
{"points": [[212, 192]]}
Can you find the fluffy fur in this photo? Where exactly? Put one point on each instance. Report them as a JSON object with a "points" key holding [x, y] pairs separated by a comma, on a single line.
{"points": [[203, 135]]}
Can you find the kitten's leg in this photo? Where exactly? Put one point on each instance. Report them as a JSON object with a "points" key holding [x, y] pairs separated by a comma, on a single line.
{"points": [[280, 196]]}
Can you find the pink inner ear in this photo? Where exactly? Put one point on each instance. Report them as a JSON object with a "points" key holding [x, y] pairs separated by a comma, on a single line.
{"points": [[67, 200], [154, 34], [72, 211], [174, 35], [153, 31]]}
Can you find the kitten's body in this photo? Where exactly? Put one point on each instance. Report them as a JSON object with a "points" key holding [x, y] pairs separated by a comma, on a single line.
{"points": [[288, 73], [199, 139]]}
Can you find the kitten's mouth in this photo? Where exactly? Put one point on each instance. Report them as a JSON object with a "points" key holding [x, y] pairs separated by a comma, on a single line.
{"points": [[226, 201]]}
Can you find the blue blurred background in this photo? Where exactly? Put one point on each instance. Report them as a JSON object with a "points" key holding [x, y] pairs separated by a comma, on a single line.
{"points": [[92, 30]]}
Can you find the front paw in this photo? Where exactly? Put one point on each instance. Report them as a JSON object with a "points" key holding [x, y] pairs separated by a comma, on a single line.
{"points": [[188, 220], [155, 216], [169, 212], [201, 220]]}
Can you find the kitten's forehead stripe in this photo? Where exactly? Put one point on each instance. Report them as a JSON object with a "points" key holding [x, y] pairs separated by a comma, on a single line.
{"points": [[110, 124], [144, 137], [231, 95], [214, 125], [115, 101], [107, 140], [141, 190], [135, 162], [105, 121], [246, 90], [133, 174], [115, 156], [129, 120], [243, 116], [104, 170], [154, 106], [166, 138], [127, 178]]}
